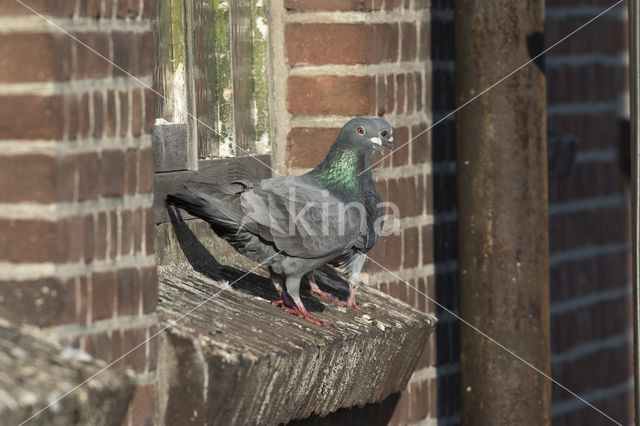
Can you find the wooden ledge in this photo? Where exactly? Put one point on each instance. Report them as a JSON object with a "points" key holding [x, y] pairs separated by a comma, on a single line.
{"points": [[236, 359]]}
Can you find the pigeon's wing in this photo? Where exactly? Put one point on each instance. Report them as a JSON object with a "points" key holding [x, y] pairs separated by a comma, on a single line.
{"points": [[301, 218]]}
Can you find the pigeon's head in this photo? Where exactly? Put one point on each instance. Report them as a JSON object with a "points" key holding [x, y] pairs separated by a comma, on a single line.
{"points": [[385, 131], [363, 134]]}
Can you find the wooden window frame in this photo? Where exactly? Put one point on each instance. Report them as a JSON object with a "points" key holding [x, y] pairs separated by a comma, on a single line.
{"points": [[185, 149]]}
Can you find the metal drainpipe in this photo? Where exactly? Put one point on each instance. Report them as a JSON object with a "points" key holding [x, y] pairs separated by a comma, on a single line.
{"points": [[634, 76], [502, 213]]}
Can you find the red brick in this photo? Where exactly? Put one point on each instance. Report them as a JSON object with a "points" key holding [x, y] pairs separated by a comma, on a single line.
{"points": [[425, 41], [90, 61], [381, 95], [149, 284], [400, 153], [43, 302], [27, 177], [133, 338], [345, 95], [411, 247], [306, 147], [89, 176], [136, 112], [31, 117], [330, 5], [149, 231], [90, 8], [129, 292], [427, 244], [89, 238], [110, 114], [138, 229], [417, 78], [98, 115], [142, 407], [147, 9], [125, 53], [83, 302], [103, 294], [65, 179], [126, 232], [420, 145], [400, 93], [34, 57], [391, 94], [411, 94], [408, 41], [27, 240], [71, 116], [149, 111], [101, 346], [46, 7], [124, 113], [419, 406], [131, 171], [113, 234], [101, 236], [112, 169], [320, 44], [70, 237], [146, 170], [84, 121]]}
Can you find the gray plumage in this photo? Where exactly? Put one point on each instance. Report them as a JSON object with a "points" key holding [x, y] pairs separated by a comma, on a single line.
{"points": [[294, 225]]}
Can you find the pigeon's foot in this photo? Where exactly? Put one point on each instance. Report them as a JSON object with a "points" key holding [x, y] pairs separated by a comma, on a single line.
{"points": [[316, 290], [306, 315], [350, 303], [284, 301]]}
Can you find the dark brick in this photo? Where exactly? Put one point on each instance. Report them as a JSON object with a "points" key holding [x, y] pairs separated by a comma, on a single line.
{"points": [[31, 117], [129, 292], [34, 57], [89, 176], [411, 247], [306, 147], [330, 5], [146, 170], [344, 95], [103, 294], [408, 41], [90, 61], [149, 284], [112, 170], [28, 177], [43, 302]]}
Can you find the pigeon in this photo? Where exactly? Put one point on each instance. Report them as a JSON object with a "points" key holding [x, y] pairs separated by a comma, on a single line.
{"points": [[354, 262], [296, 224]]}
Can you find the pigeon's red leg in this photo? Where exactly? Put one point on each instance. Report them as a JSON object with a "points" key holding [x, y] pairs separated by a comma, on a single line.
{"points": [[315, 289], [302, 311], [284, 300], [293, 288], [351, 301]]}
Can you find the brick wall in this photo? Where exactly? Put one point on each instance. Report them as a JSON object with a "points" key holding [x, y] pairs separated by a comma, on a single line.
{"points": [[587, 79], [76, 224], [392, 59]]}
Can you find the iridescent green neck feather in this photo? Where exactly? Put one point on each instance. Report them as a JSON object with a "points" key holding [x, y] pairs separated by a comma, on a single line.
{"points": [[340, 171]]}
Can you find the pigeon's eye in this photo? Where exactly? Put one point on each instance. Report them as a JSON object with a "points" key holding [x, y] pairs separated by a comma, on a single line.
{"points": [[360, 130], [384, 133]]}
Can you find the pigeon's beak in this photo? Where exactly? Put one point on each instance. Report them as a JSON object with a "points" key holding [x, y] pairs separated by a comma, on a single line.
{"points": [[376, 142], [388, 142]]}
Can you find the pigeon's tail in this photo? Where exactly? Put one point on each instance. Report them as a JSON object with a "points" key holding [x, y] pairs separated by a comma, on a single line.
{"points": [[203, 209]]}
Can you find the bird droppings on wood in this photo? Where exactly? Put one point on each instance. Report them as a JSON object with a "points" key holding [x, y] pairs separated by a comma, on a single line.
{"points": [[266, 366]]}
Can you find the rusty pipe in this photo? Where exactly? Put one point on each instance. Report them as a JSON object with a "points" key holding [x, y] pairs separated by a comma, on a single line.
{"points": [[502, 212]]}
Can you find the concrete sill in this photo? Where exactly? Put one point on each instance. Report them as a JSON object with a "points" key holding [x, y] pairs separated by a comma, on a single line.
{"points": [[34, 372], [237, 359]]}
